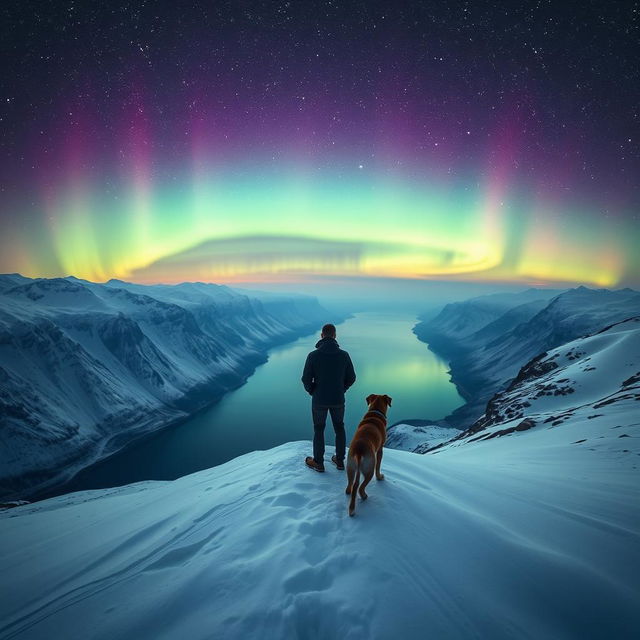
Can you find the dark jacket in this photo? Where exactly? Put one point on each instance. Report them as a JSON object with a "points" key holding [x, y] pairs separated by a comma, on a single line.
{"points": [[328, 373]]}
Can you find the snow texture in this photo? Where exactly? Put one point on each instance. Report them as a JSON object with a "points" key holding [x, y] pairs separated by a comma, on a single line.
{"points": [[408, 437], [527, 536]]}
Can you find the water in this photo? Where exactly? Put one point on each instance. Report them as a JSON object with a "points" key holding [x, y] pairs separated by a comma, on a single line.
{"points": [[273, 408]]}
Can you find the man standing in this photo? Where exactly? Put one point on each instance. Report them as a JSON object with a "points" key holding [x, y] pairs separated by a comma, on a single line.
{"points": [[328, 373]]}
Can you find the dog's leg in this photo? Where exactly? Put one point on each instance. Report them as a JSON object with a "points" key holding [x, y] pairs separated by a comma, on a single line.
{"points": [[379, 476], [351, 474], [367, 472], [354, 488]]}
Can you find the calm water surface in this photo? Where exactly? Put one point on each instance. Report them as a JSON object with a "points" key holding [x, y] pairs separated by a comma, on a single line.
{"points": [[273, 408]]}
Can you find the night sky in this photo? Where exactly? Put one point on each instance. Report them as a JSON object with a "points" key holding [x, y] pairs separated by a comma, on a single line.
{"points": [[286, 141]]}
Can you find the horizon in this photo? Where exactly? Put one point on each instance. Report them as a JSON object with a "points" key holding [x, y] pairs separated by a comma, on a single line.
{"points": [[401, 294]]}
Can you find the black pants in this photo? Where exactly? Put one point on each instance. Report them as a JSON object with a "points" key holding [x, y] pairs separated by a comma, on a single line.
{"points": [[319, 420]]}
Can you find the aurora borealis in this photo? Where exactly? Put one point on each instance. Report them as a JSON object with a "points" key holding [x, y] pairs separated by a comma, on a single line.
{"points": [[268, 141]]}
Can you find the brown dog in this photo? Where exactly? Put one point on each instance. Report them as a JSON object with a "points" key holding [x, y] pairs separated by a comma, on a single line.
{"points": [[365, 450]]}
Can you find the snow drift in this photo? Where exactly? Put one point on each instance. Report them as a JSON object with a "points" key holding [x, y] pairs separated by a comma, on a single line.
{"points": [[519, 537], [409, 437]]}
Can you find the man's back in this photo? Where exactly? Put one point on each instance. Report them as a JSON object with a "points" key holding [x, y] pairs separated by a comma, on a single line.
{"points": [[328, 373]]}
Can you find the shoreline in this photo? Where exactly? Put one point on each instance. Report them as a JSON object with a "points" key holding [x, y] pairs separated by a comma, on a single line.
{"points": [[474, 403], [64, 480], [63, 476]]}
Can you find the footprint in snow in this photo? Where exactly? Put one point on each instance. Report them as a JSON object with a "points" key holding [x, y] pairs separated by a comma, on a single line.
{"points": [[309, 579], [291, 499]]}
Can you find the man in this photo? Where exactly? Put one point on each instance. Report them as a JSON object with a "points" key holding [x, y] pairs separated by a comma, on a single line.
{"points": [[328, 373]]}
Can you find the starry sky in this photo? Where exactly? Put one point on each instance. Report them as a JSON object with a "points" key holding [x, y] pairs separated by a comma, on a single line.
{"points": [[291, 142]]}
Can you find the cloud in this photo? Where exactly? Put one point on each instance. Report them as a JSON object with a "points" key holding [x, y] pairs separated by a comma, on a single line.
{"points": [[229, 259], [284, 258]]}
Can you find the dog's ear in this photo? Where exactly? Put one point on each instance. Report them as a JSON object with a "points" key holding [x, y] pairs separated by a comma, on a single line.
{"points": [[388, 399], [370, 398]]}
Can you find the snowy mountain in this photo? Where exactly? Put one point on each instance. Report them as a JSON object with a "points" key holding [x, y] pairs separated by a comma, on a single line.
{"points": [[586, 390], [84, 367], [459, 320], [408, 437], [485, 354]]}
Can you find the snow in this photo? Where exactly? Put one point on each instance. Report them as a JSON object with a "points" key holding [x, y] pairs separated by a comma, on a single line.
{"points": [[496, 540], [588, 386], [407, 437], [487, 344]]}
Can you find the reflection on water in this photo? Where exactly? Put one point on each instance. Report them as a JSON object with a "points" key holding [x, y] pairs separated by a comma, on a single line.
{"points": [[273, 407]]}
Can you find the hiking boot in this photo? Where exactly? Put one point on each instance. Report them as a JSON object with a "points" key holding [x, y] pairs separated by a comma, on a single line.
{"points": [[339, 463], [310, 462]]}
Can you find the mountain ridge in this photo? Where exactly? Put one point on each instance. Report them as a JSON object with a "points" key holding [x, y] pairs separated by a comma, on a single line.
{"points": [[483, 361], [568, 384], [84, 367]]}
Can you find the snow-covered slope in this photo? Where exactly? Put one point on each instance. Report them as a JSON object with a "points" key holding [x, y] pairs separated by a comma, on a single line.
{"points": [[408, 437], [570, 315], [84, 366], [485, 359], [586, 391], [506, 542]]}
